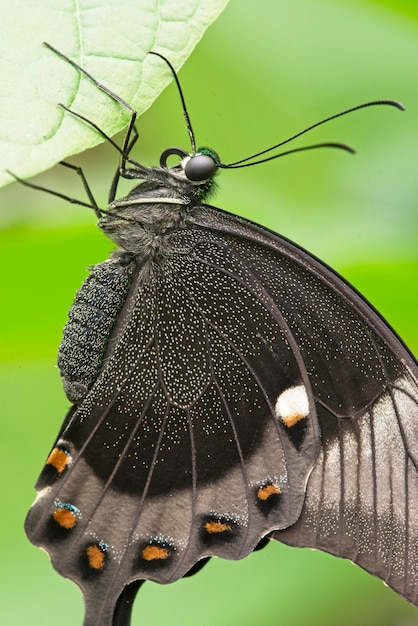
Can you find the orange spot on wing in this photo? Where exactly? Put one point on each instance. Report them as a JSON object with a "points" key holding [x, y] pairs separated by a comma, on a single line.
{"points": [[58, 459], [153, 553], [291, 420], [96, 557], [217, 527], [65, 518], [265, 492]]}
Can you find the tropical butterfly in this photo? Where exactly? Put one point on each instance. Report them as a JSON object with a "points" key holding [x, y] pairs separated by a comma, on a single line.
{"points": [[226, 387]]}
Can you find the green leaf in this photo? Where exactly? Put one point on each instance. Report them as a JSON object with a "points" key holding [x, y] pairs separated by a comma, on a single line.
{"points": [[110, 40]]}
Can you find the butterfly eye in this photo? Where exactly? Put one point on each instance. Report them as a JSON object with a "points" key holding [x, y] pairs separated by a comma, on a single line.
{"points": [[200, 167]]}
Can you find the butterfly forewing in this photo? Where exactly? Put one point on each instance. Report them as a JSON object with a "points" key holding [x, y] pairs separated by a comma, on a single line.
{"points": [[179, 451]]}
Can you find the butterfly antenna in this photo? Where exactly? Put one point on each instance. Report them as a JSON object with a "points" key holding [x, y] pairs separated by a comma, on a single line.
{"points": [[241, 162], [183, 102], [340, 146]]}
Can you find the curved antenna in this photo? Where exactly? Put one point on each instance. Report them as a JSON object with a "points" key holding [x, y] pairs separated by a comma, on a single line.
{"points": [[340, 146], [183, 102], [234, 164]]}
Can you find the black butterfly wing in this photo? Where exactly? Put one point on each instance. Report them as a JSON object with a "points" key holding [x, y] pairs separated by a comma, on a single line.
{"points": [[234, 367], [362, 496], [198, 435]]}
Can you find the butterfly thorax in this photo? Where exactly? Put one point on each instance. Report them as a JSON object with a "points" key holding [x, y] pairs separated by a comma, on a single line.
{"points": [[142, 221]]}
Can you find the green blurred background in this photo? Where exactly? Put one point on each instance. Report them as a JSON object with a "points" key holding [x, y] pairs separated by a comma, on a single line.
{"points": [[263, 71]]}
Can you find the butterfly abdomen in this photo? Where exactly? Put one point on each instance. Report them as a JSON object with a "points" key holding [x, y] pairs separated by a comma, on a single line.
{"points": [[90, 322]]}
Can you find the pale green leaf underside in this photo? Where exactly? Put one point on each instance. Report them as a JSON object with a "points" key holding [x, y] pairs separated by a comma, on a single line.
{"points": [[108, 38]]}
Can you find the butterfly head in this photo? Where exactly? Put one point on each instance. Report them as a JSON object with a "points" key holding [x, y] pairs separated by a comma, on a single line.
{"points": [[196, 168]]}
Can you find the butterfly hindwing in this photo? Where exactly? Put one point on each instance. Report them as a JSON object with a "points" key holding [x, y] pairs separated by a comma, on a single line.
{"points": [[362, 495], [361, 500]]}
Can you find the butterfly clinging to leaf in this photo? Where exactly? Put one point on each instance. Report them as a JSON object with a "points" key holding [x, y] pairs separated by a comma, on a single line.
{"points": [[226, 387]]}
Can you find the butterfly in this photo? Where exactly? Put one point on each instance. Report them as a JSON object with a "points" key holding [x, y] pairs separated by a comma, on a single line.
{"points": [[226, 388]]}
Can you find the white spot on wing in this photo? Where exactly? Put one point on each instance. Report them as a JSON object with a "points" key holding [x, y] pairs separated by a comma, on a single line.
{"points": [[41, 494], [292, 405]]}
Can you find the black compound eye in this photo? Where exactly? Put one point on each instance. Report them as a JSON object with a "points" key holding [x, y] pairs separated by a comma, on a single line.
{"points": [[200, 167]]}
